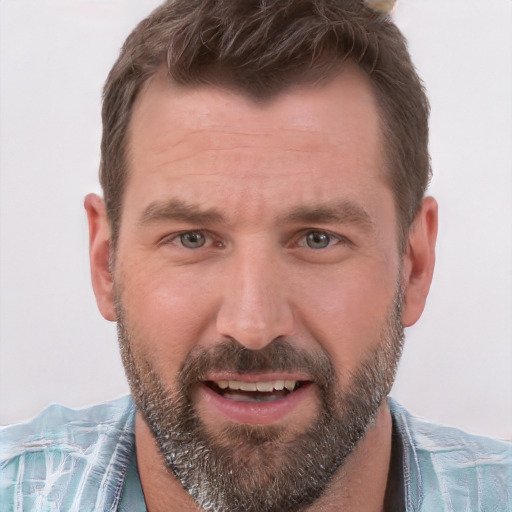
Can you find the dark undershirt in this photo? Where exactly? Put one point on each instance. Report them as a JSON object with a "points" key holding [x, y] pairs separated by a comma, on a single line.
{"points": [[394, 500]]}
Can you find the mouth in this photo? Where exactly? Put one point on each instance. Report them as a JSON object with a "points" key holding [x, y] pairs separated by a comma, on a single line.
{"points": [[258, 391], [253, 398]]}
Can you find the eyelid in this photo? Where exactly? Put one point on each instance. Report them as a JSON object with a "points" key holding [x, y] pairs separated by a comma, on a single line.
{"points": [[339, 238], [171, 237], [210, 238]]}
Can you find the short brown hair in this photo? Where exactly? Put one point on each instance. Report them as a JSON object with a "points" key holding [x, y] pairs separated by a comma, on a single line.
{"points": [[260, 47]]}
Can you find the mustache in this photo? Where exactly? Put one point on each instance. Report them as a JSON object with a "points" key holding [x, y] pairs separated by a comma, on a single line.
{"points": [[278, 356]]}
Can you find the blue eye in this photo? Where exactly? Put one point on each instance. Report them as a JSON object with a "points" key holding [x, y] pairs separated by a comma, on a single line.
{"points": [[318, 239], [192, 239]]}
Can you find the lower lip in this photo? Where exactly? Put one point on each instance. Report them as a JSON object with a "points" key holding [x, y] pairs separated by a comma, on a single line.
{"points": [[255, 413]]}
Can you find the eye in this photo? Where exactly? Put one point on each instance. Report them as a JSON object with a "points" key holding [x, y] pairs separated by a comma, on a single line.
{"points": [[319, 239], [192, 239]]}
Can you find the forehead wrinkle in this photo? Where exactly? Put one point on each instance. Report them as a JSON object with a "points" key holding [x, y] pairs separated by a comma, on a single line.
{"points": [[212, 138], [203, 143]]}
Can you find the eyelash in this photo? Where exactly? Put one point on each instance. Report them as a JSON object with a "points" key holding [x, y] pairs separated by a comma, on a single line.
{"points": [[174, 238], [332, 238]]}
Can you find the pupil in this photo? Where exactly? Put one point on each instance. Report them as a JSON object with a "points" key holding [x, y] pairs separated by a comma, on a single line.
{"points": [[317, 240], [192, 240]]}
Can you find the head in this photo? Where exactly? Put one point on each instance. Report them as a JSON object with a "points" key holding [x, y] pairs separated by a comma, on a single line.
{"points": [[264, 237]]}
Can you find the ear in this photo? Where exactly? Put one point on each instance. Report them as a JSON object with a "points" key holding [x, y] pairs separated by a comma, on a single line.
{"points": [[99, 254], [419, 261]]}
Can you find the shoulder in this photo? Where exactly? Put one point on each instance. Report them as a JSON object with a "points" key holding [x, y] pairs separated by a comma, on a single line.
{"points": [[448, 469], [59, 428], [63, 453]]}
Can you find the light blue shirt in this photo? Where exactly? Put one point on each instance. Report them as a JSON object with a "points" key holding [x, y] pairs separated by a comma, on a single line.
{"points": [[84, 460]]}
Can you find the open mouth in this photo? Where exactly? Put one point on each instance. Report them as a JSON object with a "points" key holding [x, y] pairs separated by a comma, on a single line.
{"points": [[265, 391]]}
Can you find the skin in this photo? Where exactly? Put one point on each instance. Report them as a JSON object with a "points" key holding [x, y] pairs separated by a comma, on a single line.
{"points": [[256, 279]]}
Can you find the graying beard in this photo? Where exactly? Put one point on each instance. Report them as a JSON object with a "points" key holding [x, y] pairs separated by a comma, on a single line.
{"points": [[224, 479]]}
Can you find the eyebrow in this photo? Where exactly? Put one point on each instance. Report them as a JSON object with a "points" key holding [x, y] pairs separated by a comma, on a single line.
{"points": [[338, 212], [176, 209]]}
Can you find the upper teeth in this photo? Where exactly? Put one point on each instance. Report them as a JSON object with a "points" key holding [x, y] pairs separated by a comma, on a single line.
{"points": [[268, 386]]}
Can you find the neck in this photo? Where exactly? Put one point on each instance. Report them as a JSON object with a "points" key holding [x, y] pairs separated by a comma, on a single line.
{"points": [[360, 485]]}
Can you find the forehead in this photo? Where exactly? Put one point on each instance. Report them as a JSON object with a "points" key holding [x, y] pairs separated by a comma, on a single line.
{"points": [[345, 100], [206, 140]]}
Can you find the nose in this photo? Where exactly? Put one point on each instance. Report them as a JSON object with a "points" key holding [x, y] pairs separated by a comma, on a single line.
{"points": [[255, 310]]}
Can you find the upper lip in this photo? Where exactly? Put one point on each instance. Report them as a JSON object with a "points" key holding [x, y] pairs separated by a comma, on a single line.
{"points": [[256, 377]]}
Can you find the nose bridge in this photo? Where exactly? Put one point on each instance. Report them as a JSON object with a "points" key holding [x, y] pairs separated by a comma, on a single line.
{"points": [[255, 309]]}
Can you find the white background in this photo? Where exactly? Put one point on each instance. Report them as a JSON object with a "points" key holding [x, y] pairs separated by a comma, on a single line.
{"points": [[54, 345]]}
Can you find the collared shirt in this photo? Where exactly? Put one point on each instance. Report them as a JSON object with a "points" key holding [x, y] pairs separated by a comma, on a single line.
{"points": [[84, 460]]}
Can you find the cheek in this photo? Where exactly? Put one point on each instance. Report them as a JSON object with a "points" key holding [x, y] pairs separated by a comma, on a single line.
{"points": [[168, 313], [346, 311]]}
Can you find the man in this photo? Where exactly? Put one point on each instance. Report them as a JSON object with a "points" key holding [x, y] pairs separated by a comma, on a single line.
{"points": [[263, 240]]}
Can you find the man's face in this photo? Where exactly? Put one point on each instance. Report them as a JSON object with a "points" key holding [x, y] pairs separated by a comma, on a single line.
{"points": [[257, 284]]}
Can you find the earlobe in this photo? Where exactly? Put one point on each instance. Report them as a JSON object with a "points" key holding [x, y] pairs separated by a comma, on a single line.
{"points": [[99, 254], [419, 261]]}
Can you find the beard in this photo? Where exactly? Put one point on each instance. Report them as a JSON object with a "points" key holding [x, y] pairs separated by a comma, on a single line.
{"points": [[261, 468]]}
